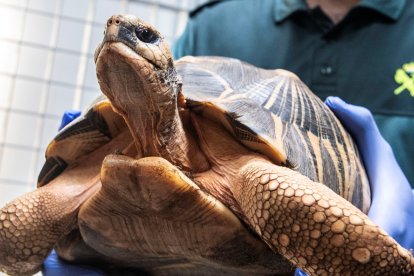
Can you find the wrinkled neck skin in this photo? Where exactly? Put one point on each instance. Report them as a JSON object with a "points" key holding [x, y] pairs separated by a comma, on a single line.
{"points": [[158, 130], [161, 130], [147, 99]]}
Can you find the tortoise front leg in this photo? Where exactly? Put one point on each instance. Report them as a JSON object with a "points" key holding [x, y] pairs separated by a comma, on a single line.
{"points": [[315, 228], [31, 225]]}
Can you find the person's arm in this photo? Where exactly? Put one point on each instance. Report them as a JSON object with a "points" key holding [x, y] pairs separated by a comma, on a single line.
{"points": [[392, 205]]}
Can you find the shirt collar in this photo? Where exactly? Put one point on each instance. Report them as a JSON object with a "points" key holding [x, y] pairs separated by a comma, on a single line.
{"points": [[390, 8], [284, 8]]}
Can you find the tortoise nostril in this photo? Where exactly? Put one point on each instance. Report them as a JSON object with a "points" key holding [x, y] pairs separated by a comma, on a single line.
{"points": [[109, 22], [117, 21]]}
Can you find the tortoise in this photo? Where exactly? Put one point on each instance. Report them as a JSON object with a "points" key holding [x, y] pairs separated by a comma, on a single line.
{"points": [[227, 169]]}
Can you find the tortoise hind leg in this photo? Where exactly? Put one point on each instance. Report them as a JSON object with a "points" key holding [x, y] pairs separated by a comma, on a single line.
{"points": [[313, 227], [31, 225]]}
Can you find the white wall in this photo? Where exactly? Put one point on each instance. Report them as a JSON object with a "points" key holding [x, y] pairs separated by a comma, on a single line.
{"points": [[46, 67]]}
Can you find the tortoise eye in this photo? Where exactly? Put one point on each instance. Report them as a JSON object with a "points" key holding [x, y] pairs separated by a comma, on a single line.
{"points": [[146, 35]]}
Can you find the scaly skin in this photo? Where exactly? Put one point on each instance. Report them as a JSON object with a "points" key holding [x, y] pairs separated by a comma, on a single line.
{"points": [[31, 225], [18, 241], [304, 221], [314, 228]]}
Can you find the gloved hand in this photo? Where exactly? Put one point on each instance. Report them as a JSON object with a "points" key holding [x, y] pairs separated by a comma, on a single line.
{"points": [[299, 272], [53, 266], [68, 117], [392, 205]]}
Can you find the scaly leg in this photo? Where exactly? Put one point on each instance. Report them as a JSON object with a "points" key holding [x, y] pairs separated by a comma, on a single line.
{"points": [[31, 225], [313, 227]]}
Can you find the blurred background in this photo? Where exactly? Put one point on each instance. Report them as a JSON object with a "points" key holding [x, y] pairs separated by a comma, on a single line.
{"points": [[46, 67]]}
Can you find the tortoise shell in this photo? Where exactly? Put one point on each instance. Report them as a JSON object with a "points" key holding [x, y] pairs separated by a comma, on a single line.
{"points": [[269, 111], [275, 113], [98, 125]]}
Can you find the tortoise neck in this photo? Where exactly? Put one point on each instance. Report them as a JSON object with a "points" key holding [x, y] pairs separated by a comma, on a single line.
{"points": [[160, 130]]}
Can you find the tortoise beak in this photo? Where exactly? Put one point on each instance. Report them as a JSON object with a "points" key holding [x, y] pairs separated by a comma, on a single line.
{"points": [[118, 29]]}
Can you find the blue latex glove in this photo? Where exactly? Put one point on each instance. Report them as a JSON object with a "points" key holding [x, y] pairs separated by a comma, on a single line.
{"points": [[299, 272], [53, 266], [68, 117], [392, 205]]}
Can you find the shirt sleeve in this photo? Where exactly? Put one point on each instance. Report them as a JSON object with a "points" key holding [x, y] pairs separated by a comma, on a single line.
{"points": [[184, 45]]}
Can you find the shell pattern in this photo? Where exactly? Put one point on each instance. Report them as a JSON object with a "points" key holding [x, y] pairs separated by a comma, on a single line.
{"points": [[275, 113], [270, 111]]}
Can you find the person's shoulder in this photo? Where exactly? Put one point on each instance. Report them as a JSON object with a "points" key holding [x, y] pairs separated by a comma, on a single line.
{"points": [[212, 4]]}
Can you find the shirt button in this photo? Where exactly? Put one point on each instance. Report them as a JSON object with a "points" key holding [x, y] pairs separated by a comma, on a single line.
{"points": [[326, 70]]}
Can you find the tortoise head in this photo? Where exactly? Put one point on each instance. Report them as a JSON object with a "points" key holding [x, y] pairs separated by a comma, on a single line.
{"points": [[134, 66], [136, 72]]}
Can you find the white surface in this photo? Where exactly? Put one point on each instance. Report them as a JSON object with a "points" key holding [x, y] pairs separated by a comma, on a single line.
{"points": [[8, 52], [7, 15], [35, 22], [21, 130], [32, 61], [5, 94], [70, 35], [27, 95]]}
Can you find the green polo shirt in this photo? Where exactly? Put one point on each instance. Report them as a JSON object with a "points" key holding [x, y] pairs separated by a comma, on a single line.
{"points": [[367, 59]]}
